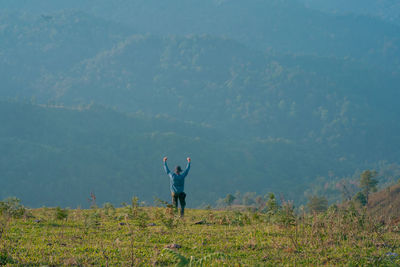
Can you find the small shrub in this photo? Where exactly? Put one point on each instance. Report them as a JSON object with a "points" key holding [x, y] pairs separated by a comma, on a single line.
{"points": [[169, 218], [286, 216], [135, 207], [92, 220], [333, 209], [142, 219], [360, 199], [240, 219], [5, 258], [170, 222], [272, 208], [12, 207], [92, 201], [109, 209], [61, 214], [317, 204]]}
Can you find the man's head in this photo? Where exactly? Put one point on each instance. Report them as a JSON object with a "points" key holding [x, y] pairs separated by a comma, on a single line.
{"points": [[178, 169]]}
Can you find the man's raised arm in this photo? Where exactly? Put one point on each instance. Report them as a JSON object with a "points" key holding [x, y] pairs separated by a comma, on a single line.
{"points": [[187, 167], [166, 166]]}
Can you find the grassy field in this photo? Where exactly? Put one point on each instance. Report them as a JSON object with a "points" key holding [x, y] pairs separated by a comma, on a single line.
{"points": [[155, 236]]}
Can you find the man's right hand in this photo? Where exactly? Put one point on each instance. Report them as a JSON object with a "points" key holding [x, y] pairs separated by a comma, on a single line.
{"points": [[188, 159], [165, 159]]}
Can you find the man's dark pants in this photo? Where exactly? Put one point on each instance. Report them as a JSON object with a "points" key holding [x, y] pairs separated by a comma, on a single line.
{"points": [[181, 197]]}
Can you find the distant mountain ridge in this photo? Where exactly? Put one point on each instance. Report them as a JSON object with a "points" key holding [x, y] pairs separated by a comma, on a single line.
{"points": [[237, 86], [34, 48], [285, 26]]}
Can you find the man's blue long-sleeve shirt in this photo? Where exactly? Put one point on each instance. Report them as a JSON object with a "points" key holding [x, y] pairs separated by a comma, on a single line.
{"points": [[177, 181]]}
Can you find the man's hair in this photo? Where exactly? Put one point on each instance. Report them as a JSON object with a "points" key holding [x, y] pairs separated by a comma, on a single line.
{"points": [[178, 169]]}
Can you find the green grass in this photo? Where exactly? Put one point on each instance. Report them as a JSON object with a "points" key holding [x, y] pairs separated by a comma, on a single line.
{"points": [[141, 237]]}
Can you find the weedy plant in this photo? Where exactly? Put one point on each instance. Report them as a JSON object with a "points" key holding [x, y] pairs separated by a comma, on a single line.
{"points": [[138, 214], [92, 220], [5, 258], [240, 219], [92, 201], [61, 214], [109, 209], [12, 207], [135, 206], [170, 217]]}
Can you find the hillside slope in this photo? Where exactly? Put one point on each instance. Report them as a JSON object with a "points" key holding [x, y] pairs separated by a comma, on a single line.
{"points": [[386, 203], [58, 156], [219, 82]]}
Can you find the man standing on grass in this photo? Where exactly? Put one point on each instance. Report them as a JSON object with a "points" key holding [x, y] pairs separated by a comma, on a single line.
{"points": [[177, 184]]}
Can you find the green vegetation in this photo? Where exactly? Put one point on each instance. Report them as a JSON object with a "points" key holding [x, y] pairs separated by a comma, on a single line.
{"points": [[360, 199], [66, 153], [317, 204], [265, 96], [12, 208], [139, 236], [368, 183]]}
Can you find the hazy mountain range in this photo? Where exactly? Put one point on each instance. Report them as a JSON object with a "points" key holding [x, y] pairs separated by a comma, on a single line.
{"points": [[264, 95]]}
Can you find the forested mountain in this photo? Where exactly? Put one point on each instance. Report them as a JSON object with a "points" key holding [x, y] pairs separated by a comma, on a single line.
{"points": [[223, 84], [57, 156], [265, 96], [280, 25], [33, 48]]}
